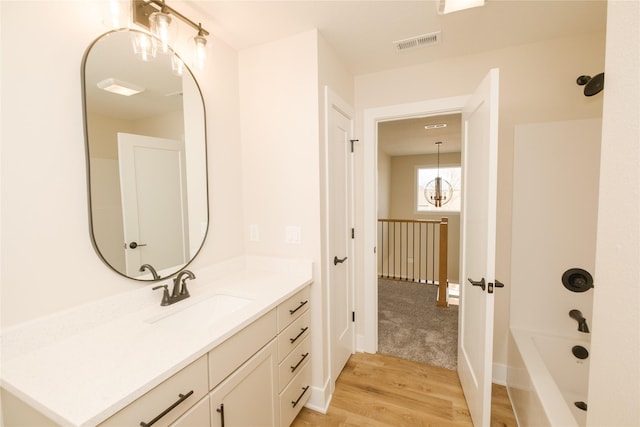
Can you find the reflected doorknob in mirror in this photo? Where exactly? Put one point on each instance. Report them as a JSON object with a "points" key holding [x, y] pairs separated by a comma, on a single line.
{"points": [[134, 245], [169, 108]]}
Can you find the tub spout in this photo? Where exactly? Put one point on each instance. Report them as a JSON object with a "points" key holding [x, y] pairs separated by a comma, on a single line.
{"points": [[582, 322]]}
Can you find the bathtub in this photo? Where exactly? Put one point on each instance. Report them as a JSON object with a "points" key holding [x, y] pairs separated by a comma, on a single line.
{"points": [[545, 379]]}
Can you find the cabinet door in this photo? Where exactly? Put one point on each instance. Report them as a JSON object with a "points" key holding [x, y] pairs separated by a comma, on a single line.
{"points": [[248, 397]]}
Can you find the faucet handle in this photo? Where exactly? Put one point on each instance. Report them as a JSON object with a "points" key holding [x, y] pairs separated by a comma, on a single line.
{"points": [[183, 288], [165, 294]]}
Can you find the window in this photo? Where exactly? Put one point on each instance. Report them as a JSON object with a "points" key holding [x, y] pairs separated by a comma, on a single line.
{"points": [[451, 183]]}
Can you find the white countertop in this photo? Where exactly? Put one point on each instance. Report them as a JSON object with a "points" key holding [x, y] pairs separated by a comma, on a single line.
{"points": [[82, 366]]}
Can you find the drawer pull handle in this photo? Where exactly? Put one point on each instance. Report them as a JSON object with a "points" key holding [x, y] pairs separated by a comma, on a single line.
{"points": [[220, 410], [182, 398], [304, 390], [302, 331], [304, 356], [302, 304]]}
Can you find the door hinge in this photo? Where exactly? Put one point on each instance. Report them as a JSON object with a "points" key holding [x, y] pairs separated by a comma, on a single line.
{"points": [[352, 141], [353, 316], [353, 233]]}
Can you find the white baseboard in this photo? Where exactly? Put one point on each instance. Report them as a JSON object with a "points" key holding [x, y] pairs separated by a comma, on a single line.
{"points": [[360, 343], [320, 398], [499, 374]]}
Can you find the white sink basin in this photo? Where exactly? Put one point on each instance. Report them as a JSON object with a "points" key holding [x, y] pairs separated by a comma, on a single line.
{"points": [[203, 310]]}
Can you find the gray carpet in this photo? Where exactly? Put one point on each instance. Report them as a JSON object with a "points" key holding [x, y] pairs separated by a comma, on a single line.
{"points": [[411, 327]]}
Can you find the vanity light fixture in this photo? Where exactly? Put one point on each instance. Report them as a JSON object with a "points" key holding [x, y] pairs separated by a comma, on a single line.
{"points": [[119, 87], [160, 26], [448, 6], [200, 53], [156, 16]]}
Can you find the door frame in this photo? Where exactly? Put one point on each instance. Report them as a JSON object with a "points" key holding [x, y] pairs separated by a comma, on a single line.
{"points": [[372, 116]]}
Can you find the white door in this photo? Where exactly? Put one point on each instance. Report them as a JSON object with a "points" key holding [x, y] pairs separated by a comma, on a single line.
{"points": [[479, 168], [154, 202], [340, 261]]}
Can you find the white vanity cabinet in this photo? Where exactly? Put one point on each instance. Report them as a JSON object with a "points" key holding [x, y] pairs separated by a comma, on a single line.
{"points": [[162, 405], [294, 353], [272, 385], [248, 397], [257, 376]]}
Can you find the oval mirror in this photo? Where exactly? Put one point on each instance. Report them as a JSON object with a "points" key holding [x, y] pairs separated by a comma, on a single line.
{"points": [[146, 159]]}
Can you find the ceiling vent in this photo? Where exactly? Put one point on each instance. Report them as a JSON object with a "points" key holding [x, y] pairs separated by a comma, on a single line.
{"points": [[418, 41]]}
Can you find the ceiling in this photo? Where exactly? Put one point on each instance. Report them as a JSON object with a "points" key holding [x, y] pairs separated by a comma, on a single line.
{"points": [[362, 34], [409, 136]]}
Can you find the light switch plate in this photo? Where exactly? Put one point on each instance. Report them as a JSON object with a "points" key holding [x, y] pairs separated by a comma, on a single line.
{"points": [[254, 233], [293, 234]]}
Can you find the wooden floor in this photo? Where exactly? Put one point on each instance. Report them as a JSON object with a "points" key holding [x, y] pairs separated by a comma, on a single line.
{"points": [[379, 390]]}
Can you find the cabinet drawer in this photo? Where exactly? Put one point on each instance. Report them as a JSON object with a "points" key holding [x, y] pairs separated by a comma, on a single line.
{"points": [[199, 416], [294, 397], [293, 335], [294, 362], [183, 390], [228, 356], [293, 308]]}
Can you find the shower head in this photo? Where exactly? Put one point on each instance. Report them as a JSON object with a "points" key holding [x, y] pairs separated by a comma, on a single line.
{"points": [[592, 85]]}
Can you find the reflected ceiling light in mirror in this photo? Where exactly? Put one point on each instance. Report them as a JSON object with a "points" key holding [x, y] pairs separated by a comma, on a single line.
{"points": [[435, 126], [448, 6], [143, 46], [177, 65], [119, 87]]}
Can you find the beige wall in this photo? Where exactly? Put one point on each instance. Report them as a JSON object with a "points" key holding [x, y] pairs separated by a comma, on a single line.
{"points": [[403, 199], [282, 119], [48, 262], [537, 84], [614, 380]]}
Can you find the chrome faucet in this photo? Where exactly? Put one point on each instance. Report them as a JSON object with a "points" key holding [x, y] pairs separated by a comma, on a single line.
{"points": [[179, 291], [582, 322], [153, 271]]}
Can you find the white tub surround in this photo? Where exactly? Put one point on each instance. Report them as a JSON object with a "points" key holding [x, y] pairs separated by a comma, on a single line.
{"points": [[545, 379], [83, 365]]}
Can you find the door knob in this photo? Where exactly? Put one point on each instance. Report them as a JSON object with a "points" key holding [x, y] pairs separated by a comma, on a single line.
{"points": [[134, 245], [498, 284], [337, 260], [481, 283]]}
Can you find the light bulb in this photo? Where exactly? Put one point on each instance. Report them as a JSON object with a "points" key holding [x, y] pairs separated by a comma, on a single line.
{"points": [[200, 55], [161, 27]]}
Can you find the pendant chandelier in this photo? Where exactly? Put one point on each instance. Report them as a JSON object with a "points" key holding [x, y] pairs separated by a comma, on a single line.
{"points": [[438, 191]]}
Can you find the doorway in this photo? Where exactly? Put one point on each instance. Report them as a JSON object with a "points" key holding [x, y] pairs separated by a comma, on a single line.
{"points": [[418, 235], [372, 118]]}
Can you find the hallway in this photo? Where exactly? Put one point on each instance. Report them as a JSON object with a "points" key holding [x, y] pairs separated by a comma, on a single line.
{"points": [[377, 390]]}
